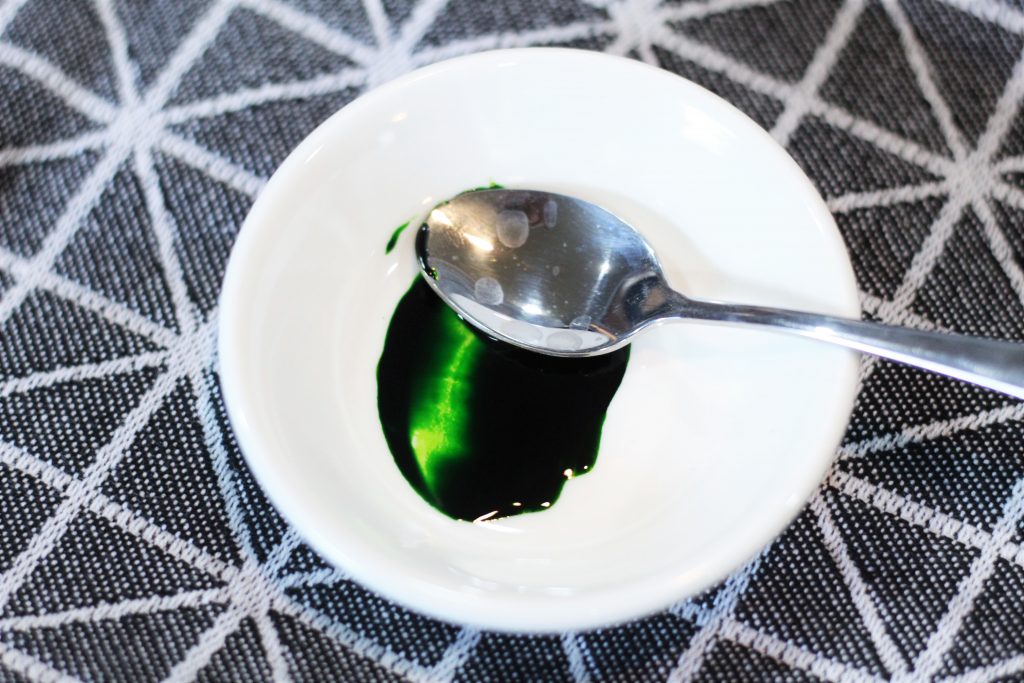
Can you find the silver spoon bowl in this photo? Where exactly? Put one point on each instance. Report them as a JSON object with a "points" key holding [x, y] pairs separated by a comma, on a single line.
{"points": [[564, 277]]}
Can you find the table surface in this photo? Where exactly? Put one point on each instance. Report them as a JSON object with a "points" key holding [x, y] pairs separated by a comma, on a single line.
{"points": [[134, 543]]}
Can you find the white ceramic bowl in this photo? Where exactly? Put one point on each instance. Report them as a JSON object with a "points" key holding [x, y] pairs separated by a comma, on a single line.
{"points": [[716, 437]]}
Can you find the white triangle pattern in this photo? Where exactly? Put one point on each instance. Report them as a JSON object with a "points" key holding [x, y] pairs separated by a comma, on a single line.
{"points": [[138, 123]]}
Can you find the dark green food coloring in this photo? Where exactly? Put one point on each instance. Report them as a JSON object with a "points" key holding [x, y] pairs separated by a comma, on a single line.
{"points": [[490, 186], [393, 240], [482, 429]]}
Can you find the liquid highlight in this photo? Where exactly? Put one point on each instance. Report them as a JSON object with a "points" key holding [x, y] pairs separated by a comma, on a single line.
{"points": [[479, 428]]}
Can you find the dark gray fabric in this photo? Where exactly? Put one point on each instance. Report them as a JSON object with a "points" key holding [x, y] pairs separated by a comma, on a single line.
{"points": [[134, 543]]}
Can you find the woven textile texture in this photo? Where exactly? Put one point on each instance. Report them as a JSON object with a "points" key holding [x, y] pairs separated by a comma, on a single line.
{"points": [[134, 543]]}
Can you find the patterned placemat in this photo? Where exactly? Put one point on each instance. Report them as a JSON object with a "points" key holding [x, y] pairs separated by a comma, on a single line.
{"points": [[134, 543]]}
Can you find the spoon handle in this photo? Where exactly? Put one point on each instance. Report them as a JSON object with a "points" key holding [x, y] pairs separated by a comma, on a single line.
{"points": [[989, 363]]}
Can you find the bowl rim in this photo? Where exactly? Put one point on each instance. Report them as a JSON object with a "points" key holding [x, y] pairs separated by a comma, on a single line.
{"points": [[625, 602]]}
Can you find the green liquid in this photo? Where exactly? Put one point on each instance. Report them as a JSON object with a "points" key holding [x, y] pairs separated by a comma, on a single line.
{"points": [[489, 186], [393, 240], [480, 428]]}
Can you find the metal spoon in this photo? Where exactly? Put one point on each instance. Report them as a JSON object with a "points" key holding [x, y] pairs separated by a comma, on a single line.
{"points": [[558, 275]]}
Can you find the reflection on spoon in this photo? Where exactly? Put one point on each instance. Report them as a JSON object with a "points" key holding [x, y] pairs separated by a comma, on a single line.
{"points": [[564, 277]]}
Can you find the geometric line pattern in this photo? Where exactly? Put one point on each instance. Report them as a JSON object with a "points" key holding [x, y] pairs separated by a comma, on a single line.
{"points": [[136, 545]]}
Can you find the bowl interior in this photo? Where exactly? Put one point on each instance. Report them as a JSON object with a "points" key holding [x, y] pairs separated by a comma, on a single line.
{"points": [[717, 435]]}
